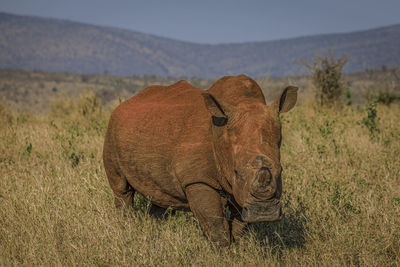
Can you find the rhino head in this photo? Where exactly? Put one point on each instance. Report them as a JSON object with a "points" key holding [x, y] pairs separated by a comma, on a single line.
{"points": [[246, 141]]}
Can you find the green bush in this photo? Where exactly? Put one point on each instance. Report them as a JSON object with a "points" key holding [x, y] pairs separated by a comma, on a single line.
{"points": [[326, 74], [387, 97], [349, 101], [371, 120]]}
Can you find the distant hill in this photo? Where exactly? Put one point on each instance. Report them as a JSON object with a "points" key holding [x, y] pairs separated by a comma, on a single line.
{"points": [[35, 43]]}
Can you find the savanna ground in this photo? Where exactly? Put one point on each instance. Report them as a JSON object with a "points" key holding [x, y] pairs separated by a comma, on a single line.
{"points": [[341, 185]]}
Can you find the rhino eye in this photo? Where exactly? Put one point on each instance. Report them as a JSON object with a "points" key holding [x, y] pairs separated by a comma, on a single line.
{"points": [[219, 121]]}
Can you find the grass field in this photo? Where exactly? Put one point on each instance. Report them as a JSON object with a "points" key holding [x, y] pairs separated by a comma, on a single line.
{"points": [[341, 195]]}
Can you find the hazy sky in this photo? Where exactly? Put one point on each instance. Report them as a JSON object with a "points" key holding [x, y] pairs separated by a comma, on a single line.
{"points": [[219, 21]]}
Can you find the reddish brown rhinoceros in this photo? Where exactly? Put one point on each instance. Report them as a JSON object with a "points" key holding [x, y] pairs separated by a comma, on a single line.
{"points": [[186, 148]]}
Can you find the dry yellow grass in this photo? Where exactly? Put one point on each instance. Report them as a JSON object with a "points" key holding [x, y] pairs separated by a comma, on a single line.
{"points": [[341, 196]]}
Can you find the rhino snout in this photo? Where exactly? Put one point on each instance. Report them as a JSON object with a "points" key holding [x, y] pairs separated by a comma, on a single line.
{"points": [[260, 213]]}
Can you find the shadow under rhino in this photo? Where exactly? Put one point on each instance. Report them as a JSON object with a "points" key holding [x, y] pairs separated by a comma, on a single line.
{"points": [[288, 233]]}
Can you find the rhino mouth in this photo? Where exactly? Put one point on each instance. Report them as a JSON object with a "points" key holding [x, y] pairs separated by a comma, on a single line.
{"points": [[262, 213]]}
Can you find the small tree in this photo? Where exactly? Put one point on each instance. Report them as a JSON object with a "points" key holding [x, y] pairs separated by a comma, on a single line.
{"points": [[326, 73]]}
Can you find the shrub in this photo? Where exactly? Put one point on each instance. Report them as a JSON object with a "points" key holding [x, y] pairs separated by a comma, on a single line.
{"points": [[387, 97], [387, 86], [326, 72], [371, 120], [84, 78], [349, 102]]}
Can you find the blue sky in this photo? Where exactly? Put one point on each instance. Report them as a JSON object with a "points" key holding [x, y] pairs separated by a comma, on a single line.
{"points": [[219, 21]]}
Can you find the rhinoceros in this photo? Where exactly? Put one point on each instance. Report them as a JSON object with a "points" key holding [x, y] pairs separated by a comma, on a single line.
{"points": [[201, 150]]}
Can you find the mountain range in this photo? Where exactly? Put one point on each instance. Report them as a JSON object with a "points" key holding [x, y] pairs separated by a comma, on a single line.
{"points": [[48, 44]]}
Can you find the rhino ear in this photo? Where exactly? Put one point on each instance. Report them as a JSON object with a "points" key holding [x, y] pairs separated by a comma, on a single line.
{"points": [[287, 100], [218, 115]]}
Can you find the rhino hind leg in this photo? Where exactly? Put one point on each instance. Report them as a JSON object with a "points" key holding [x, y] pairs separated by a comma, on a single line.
{"points": [[208, 208], [125, 198], [124, 193]]}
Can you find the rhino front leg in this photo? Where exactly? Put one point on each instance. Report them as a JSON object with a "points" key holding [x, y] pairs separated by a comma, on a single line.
{"points": [[237, 224], [238, 227], [207, 206]]}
